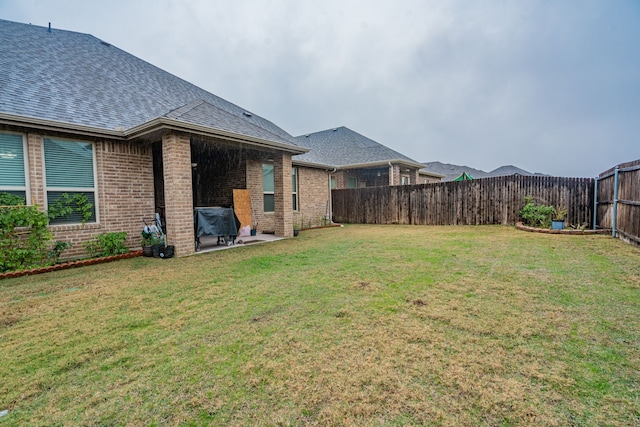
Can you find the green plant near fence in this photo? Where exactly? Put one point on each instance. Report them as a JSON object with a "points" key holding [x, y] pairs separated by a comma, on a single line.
{"points": [[535, 215]]}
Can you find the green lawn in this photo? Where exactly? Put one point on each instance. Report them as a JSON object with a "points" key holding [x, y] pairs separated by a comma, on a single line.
{"points": [[361, 325]]}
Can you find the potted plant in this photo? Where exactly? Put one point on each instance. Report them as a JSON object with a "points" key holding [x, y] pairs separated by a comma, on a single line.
{"points": [[296, 228], [557, 222], [146, 244], [156, 243], [254, 229]]}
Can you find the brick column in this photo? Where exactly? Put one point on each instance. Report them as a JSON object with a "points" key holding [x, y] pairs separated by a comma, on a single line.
{"points": [[415, 177], [36, 170], [176, 159], [283, 214], [394, 175]]}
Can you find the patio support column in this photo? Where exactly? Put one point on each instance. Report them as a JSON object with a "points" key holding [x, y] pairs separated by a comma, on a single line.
{"points": [[283, 214], [178, 195]]}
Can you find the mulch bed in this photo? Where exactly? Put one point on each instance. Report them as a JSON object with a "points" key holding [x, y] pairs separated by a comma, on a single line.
{"points": [[71, 264]]}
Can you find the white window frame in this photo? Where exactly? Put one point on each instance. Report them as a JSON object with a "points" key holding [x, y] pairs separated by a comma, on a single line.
{"points": [[94, 189], [295, 180], [265, 193], [25, 158]]}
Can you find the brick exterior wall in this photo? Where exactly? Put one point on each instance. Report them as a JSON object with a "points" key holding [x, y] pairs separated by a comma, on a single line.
{"points": [[264, 221], [176, 159], [215, 185], [221, 168], [124, 192], [313, 196], [313, 193]]}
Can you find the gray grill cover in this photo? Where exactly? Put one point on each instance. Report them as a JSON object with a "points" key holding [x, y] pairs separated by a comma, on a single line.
{"points": [[216, 222]]}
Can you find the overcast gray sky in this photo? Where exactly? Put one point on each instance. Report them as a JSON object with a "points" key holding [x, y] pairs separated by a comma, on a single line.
{"points": [[548, 86]]}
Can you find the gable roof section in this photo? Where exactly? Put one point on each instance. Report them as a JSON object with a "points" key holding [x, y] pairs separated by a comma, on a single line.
{"points": [[343, 148], [78, 80]]}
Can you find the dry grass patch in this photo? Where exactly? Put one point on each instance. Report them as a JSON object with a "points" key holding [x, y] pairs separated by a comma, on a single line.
{"points": [[364, 325]]}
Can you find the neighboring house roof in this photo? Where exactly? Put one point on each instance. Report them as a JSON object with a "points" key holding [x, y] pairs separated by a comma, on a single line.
{"points": [[52, 76], [509, 170], [343, 148], [451, 172]]}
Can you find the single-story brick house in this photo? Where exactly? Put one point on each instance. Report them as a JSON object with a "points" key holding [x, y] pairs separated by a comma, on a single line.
{"points": [[80, 116]]}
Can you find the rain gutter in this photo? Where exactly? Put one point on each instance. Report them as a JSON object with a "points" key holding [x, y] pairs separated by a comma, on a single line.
{"points": [[361, 165], [56, 126], [154, 125]]}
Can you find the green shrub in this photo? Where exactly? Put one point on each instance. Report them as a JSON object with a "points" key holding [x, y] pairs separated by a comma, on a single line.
{"points": [[536, 215], [107, 244], [23, 234], [56, 251]]}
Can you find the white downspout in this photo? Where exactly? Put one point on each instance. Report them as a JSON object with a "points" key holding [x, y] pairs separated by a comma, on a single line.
{"points": [[330, 199]]}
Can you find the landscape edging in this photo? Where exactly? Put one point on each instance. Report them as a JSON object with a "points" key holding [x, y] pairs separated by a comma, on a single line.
{"points": [[70, 264], [570, 231]]}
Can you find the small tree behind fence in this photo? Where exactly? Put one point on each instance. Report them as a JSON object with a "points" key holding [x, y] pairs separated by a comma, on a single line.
{"points": [[483, 201], [618, 200]]}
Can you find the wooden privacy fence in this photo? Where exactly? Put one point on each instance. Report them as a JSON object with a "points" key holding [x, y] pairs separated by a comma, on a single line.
{"points": [[618, 201], [482, 201]]}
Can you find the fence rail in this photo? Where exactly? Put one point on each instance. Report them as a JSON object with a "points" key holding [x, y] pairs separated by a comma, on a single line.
{"points": [[482, 201]]}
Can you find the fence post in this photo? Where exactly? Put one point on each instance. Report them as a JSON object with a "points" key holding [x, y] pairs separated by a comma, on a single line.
{"points": [[614, 221], [595, 203]]}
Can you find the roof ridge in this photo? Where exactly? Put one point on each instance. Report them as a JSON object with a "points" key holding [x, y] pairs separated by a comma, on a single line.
{"points": [[181, 111], [177, 112]]}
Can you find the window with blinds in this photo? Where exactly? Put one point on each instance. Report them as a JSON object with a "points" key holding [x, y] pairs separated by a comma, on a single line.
{"points": [[13, 165], [69, 168]]}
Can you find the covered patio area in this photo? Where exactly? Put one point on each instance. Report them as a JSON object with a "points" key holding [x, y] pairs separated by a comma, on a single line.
{"points": [[194, 171]]}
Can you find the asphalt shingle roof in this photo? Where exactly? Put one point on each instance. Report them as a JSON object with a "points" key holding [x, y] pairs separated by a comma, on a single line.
{"points": [[76, 78], [343, 147]]}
